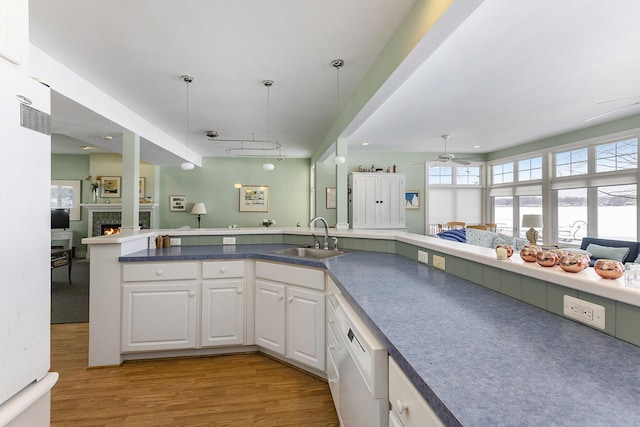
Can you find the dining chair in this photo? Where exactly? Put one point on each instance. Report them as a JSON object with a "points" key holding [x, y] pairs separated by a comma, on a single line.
{"points": [[455, 224]]}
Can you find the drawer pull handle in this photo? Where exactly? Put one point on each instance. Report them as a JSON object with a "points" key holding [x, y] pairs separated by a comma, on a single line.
{"points": [[402, 406], [280, 296], [331, 321], [159, 272], [331, 347]]}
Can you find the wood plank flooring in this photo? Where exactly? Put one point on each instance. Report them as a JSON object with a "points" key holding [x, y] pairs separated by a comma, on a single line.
{"points": [[235, 390]]}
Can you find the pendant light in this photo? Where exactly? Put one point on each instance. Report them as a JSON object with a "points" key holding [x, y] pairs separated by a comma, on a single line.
{"points": [[337, 64], [268, 166], [187, 166]]}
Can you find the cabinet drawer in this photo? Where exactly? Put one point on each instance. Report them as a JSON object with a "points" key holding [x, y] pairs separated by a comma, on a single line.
{"points": [[154, 271], [222, 269], [307, 277], [406, 403]]}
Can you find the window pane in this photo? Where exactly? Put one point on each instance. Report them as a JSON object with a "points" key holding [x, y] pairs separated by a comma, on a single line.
{"points": [[502, 173], [530, 169], [572, 215], [616, 156], [62, 196], [572, 163], [440, 175], [617, 208], [503, 214], [530, 205], [468, 175]]}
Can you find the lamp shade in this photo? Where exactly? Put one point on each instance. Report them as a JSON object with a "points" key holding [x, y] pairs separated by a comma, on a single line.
{"points": [[532, 221], [199, 209]]}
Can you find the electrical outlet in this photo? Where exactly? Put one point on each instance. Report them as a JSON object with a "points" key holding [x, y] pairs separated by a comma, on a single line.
{"points": [[175, 241], [423, 257], [438, 262], [584, 311], [228, 240]]}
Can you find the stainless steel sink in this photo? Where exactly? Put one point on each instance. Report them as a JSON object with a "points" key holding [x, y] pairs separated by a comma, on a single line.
{"points": [[310, 253]]}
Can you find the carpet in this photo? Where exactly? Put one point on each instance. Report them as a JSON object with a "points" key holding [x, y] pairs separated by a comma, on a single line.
{"points": [[70, 302]]}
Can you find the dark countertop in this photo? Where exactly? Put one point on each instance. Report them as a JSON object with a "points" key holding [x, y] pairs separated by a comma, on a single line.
{"points": [[477, 356]]}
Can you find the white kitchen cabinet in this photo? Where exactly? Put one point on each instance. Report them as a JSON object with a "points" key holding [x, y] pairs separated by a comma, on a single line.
{"points": [[159, 306], [158, 316], [377, 200], [223, 303], [290, 312], [408, 408]]}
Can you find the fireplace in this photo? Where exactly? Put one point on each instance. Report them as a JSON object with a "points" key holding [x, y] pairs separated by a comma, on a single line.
{"points": [[107, 229]]}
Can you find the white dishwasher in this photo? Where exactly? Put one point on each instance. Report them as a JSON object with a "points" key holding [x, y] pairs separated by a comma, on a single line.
{"points": [[361, 364]]}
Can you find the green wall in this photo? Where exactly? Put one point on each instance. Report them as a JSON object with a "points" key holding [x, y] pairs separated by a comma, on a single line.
{"points": [[213, 185]]}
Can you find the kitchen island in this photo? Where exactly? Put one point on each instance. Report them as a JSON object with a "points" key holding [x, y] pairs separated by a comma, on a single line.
{"points": [[477, 356]]}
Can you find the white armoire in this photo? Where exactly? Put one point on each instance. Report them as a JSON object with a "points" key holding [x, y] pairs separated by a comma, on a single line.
{"points": [[376, 200]]}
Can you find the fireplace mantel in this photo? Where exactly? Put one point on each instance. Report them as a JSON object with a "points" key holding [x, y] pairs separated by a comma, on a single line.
{"points": [[117, 207]]}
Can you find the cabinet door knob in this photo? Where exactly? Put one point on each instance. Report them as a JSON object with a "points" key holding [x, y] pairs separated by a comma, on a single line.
{"points": [[223, 270], [239, 290], [331, 321], [192, 294], [159, 272], [331, 347], [290, 299], [280, 296], [402, 406]]}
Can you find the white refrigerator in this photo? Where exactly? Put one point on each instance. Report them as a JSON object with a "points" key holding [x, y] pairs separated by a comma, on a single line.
{"points": [[25, 296]]}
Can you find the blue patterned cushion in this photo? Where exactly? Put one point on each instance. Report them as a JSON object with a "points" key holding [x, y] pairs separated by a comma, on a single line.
{"points": [[480, 237], [519, 243], [503, 239], [457, 235]]}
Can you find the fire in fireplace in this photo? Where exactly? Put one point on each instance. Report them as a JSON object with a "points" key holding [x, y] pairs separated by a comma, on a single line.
{"points": [[107, 229]]}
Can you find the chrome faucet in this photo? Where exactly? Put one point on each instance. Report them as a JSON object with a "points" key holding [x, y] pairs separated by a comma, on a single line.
{"points": [[326, 229]]}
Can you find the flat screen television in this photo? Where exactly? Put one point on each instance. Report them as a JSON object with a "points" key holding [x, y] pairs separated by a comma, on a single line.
{"points": [[59, 218]]}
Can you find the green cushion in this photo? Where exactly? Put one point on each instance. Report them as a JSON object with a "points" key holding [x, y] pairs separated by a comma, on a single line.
{"points": [[607, 252]]}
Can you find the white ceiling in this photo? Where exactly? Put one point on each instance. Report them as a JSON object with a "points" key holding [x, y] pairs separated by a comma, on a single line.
{"points": [[513, 72]]}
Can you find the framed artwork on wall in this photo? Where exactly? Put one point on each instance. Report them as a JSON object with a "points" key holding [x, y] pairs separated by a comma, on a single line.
{"points": [[412, 199], [177, 203], [331, 197], [110, 187], [141, 187], [254, 198]]}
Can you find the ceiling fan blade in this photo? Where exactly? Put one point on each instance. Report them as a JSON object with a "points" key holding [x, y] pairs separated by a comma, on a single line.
{"points": [[609, 112], [461, 162]]}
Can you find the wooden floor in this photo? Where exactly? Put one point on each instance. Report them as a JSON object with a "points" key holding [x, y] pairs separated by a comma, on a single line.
{"points": [[237, 390]]}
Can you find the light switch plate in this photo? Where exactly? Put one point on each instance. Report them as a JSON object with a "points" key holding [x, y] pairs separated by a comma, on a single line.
{"points": [[438, 262], [175, 241], [228, 240]]}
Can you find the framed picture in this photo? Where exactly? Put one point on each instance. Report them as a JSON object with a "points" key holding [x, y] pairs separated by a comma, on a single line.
{"points": [[177, 203], [110, 187], [254, 198], [65, 194], [331, 197], [141, 190], [412, 199]]}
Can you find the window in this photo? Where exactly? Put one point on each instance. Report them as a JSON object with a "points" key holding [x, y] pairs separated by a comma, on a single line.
{"points": [[616, 156], [572, 215], [530, 169], [440, 175], [468, 175], [503, 214], [617, 212], [502, 173], [571, 163], [529, 205]]}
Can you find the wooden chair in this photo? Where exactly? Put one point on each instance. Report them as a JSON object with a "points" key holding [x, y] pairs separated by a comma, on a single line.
{"points": [[478, 227], [455, 224], [492, 226]]}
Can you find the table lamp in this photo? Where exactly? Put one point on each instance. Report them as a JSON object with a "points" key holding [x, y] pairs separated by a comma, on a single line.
{"points": [[532, 221], [199, 209]]}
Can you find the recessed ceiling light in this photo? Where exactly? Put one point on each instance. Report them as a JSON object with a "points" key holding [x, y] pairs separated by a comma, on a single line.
{"points": [[476, 146], [107, 137], [365, 143], [87, 147]]}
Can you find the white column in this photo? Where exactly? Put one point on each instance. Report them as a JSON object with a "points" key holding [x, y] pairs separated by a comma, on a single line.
{"points": [[130, 180], [342, 200]]}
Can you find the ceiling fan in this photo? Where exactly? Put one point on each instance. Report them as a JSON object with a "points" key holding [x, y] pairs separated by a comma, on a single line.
{"points": [[449, 157], [597, 116]]}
